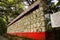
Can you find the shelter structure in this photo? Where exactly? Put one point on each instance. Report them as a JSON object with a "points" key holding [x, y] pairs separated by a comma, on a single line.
{"points": [[30, 23]]}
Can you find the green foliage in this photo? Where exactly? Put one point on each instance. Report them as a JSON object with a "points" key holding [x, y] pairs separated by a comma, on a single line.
{"points": [[52, 6], [9, 9], [11, 1], [2, 26]]}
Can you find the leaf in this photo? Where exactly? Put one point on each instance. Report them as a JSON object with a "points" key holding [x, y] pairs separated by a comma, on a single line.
{"points": [[11, 1]]}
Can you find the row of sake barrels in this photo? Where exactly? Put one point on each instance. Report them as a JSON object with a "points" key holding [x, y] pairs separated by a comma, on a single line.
{"points": [[31, 18], [33, 21]]}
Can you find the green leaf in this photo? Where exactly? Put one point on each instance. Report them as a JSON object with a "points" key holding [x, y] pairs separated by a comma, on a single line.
{"points": [[11, 1]]}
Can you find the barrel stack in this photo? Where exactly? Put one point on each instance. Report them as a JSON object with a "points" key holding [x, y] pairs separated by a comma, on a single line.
{"points": [[30, 23]]}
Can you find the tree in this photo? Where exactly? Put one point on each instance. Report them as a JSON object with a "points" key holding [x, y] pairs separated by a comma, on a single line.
{"points": [[2, 26], [9, 9]]}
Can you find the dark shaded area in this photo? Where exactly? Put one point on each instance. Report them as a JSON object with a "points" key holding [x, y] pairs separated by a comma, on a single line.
{"points": [[53, 35], [2, 38]]}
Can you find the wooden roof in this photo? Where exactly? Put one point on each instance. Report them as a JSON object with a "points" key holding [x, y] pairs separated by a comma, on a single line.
{"points": [[25, 12]]}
